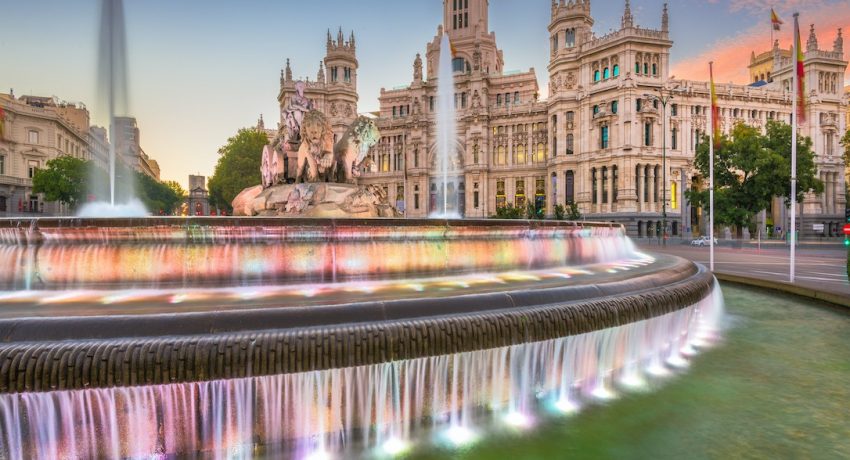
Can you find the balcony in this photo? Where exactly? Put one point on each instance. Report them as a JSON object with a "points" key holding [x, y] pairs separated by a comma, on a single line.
{"points": [[17, 181]]}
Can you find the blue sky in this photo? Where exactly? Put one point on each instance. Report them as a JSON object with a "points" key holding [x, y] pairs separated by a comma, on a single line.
{"points": [[200, 70]]}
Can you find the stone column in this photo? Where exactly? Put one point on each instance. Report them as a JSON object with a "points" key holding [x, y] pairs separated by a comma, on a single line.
{"points": [[832, 189], [650, 173], [641, 187], [599, 206], [611, 189]]}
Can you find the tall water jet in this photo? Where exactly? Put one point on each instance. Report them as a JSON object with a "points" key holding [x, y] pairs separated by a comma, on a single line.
{"points": [[112, 87], [446, 135]]}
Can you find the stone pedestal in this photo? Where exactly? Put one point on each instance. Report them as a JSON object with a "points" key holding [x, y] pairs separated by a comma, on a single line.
{"points": [[326, 200]]}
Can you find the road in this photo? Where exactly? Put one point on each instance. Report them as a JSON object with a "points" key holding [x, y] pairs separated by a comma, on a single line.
{"points": [[822, 269]]}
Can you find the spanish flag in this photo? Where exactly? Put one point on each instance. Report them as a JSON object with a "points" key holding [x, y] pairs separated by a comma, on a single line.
{"points": [[801, 74], [774, 19], [715, 107]]}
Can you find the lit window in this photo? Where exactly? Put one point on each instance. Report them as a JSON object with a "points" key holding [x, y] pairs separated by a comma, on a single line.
{"points": [[519, 196], [674, 202], [501, 199], [519, 154], [540, 155]]}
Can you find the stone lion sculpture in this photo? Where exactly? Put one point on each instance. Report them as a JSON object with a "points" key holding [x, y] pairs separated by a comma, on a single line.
{"points": [[351, 151], [316, 151]]}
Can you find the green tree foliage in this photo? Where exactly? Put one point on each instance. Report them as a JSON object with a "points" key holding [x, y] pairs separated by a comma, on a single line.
{"points": [[845, 142], [559, 211], [176, 187], [573, 212], [509, 212], [750, 169], [238, 167], [63, 180], [158, 197]]}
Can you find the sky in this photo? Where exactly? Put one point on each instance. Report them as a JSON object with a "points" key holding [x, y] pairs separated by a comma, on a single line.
{"points": [[199, 70]]}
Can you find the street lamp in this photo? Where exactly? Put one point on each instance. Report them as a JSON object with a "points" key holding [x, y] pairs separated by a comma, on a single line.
{"points": [[660, 97]]}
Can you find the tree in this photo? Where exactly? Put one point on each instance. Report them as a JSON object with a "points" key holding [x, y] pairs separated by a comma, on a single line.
{"points": [[158, 197], [63, 180], [176, 188], [559, 212], [238, 167], [573, 213], [845, 142], [509, 212], [750, 169]]}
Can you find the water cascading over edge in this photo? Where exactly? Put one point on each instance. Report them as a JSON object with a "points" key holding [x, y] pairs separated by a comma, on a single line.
{"points": [[446, 136]]}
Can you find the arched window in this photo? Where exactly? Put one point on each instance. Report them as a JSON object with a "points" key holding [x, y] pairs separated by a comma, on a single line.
{"points": [[460, 65], [614, 105], [606, 74], [616, 70], [570, 187], [594, 185], [501, 155], [571, 38], [603, 137], [519, 154], [540, 155], [595, 109], [570, 143], [654, 69], [596, 75], [637, 67], [646, 68], [647, 134]]}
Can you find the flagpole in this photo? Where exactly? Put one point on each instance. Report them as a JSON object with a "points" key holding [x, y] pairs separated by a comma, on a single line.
{"points": [[794, 121], [711, 176]]}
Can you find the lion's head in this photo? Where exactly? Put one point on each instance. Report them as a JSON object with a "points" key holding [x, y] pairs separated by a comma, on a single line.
{"points": [[316, 129]]}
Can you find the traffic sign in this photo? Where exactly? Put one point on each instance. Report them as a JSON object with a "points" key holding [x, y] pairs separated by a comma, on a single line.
{"points": [[847, 229]]}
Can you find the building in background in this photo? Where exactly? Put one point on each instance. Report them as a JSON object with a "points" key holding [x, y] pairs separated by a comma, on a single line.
{"points": [[128, 148], [601, 139], [99, 147], [198, 203], [34, 130]]}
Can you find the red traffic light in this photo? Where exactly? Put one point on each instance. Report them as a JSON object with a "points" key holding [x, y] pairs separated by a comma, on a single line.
{"points": [[847, 229]]}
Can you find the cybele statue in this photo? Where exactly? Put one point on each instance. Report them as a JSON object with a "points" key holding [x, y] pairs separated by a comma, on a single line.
{"points": [[326, 174]]}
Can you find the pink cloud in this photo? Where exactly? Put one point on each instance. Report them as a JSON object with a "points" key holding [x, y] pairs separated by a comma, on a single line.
{"points": [[731, 55]]}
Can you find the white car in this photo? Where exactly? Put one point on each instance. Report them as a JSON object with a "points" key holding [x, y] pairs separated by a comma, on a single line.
{"points": [[702, 241]]}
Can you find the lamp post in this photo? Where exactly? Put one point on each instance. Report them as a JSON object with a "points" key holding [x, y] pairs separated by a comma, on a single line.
{"points": [[660, 97]]}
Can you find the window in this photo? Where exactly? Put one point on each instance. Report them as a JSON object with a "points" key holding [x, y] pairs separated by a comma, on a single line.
{"points": [[606, 74], [614, 107], [516, 97], [655, 104], [595, 109], [571, 38], [463, 100], [539, 194], [540, 155], [829, 144], [519, 196], [385, 163], [32, 136], [501, 155], [604, 184], [647, 134], [347, 74], [603, 137], [674, 202], [674, 141], [594, 186], [654, 69], [416, 197], [555, 43], [334, 74], [674, 110], [637, 67], [519, 154], [595, 75], [570, 143], [501, 199], [459, 65], [637, 104], [498, 100], [616, 70], [32, 167], [431, 103], [507, 98], [2, 165], [570, 119], [570, 186], [395, 109], [646, 68]]}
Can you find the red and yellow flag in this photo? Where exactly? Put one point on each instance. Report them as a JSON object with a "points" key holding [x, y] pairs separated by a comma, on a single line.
{"points": [[715, 107], [774, 19], [801, 74]]}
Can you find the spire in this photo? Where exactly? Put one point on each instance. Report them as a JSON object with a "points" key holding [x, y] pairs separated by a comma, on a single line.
{"points": [[339, 41], [665, 20], [330, 41], [261, 125], [320, 77], [838, 44], [628, 20], [288, 71], [351, 40], [812, 43]]}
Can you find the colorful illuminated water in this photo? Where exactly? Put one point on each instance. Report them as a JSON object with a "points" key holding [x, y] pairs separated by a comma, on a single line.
{"points": [[379, 409], [777, 387]]}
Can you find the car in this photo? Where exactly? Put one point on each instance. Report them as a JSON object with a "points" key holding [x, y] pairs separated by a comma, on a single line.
{"points": [[702, 241]]}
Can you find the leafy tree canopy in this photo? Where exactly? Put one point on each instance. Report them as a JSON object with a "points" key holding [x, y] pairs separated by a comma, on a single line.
{"points": [[63, 180], [750, 169], [238, 167]]}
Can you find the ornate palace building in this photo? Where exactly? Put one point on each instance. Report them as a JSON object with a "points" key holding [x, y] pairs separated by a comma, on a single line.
{"points": [[603, 137]]}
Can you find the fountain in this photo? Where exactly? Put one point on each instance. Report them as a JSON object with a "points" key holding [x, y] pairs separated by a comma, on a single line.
{"points": [[446, 135], [318, 324], [112, 78]]}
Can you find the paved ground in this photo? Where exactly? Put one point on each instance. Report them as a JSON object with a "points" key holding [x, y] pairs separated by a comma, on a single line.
{"points": [[820, 268]]}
